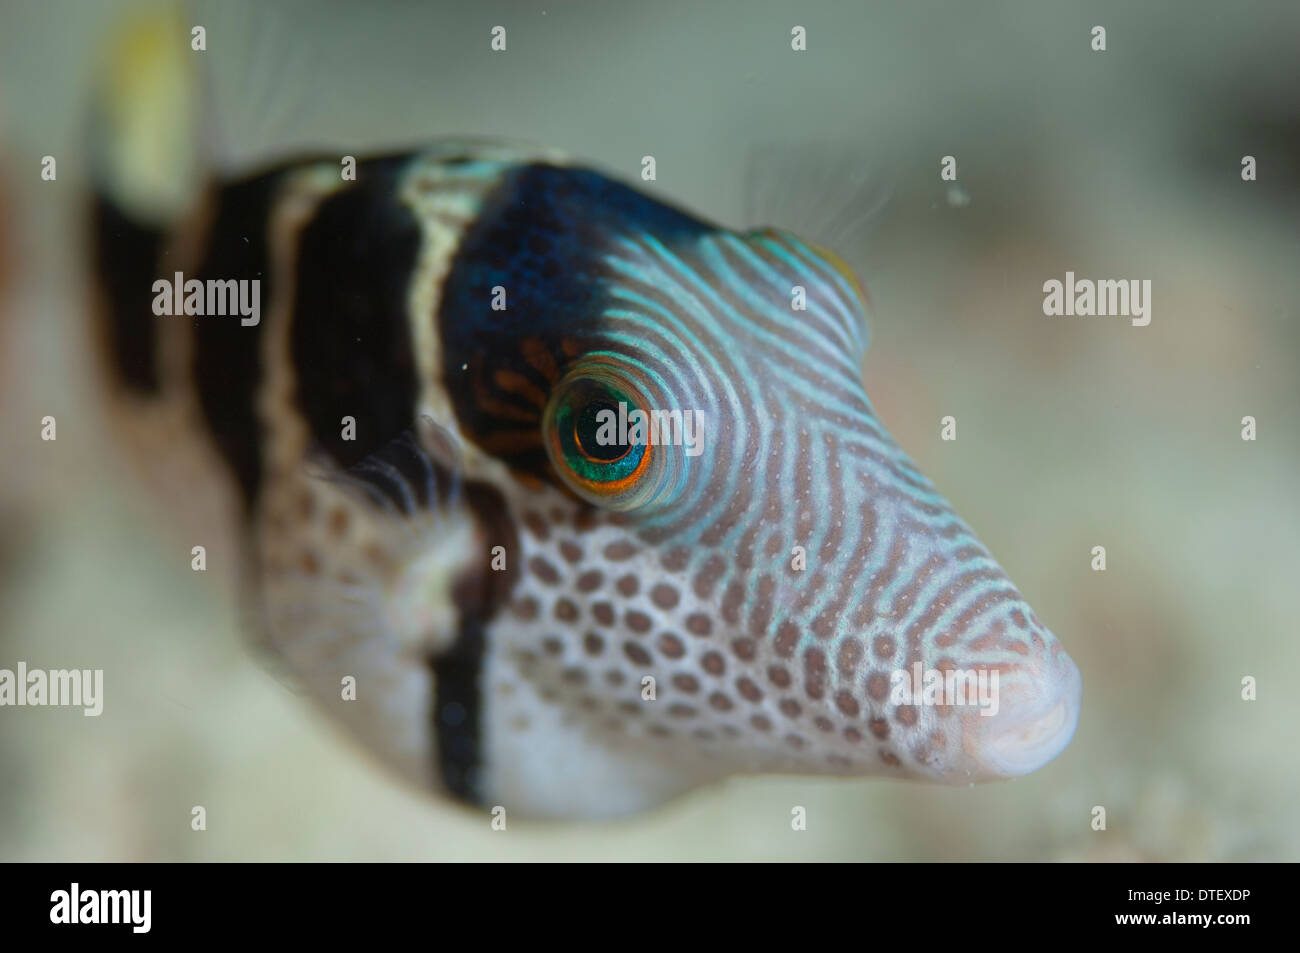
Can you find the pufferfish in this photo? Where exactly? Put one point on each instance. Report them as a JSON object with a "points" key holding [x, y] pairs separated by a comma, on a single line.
{"points": [[442, 541]]}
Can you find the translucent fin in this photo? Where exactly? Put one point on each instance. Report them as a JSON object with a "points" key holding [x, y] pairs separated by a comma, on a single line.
{"points": [[834, 196], [260, 69], [416, 472], [375, 602]]}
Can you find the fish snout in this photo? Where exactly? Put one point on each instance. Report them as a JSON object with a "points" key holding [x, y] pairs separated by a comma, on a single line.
{"points": [[1034, 721]]}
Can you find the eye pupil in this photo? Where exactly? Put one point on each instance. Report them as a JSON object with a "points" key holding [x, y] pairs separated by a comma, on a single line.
{"points": [[590, 425]]}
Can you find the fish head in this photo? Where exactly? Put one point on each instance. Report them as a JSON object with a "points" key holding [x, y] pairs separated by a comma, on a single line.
{"points": [[727, 564]]}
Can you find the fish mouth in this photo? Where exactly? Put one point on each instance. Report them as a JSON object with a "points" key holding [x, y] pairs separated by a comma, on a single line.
{"points": [[1034, 729]]}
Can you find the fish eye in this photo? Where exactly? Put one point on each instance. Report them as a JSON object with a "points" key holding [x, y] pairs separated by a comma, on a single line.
{"points": [[591, 451], [608, 431]]}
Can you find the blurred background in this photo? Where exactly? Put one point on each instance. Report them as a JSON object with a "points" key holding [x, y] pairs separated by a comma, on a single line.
{"points": [[1072, 432]]}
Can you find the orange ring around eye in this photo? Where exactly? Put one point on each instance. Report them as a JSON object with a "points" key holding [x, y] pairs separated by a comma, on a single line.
{"points": [[614, 487], [611, 488], [579, 468]]}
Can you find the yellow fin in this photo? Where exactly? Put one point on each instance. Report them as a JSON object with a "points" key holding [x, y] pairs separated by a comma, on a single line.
{"points": [[146, 135]]}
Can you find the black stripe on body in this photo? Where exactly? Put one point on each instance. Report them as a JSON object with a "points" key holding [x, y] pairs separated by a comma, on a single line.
{"points": [[352, 353], [459, 692], [126, 262], [458, 708], [350, 339], [227, 354]]}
